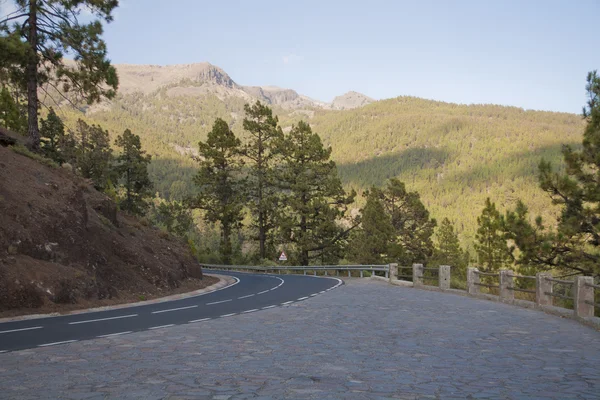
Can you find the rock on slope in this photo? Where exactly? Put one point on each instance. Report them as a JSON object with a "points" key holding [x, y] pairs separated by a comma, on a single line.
{"points": [[62, 242]]}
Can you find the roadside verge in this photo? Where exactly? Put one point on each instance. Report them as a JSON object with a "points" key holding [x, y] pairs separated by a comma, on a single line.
{"points": [[223, 283]]}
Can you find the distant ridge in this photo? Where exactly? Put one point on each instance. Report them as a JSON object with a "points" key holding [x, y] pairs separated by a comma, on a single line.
{"points": [[201, 79]]}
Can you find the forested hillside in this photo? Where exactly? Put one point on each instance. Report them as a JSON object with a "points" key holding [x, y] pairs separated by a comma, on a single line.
{"points": [[453, 155]]}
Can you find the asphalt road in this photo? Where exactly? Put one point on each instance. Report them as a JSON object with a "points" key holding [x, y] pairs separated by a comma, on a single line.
{"points": [[250, 293]]}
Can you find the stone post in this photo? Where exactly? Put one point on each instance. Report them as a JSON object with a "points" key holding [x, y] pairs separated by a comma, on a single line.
{"points": [[543, 286], [418, 274], [506, 285], [393, 267], [582, 293], [444, 277], [472, 280]]}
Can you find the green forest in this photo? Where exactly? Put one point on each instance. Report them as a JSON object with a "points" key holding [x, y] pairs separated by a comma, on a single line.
{"points": [[455, 156]]}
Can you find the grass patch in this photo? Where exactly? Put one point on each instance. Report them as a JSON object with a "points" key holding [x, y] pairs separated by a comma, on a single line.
{"points": [[24, 151]]}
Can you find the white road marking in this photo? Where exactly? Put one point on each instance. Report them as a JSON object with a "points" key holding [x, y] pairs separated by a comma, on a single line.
{"points": [[263, 292], [218, 302], [244, 297], [161, 326], [302, 298], [287, 302], [247, 311], [199, 320], [227, 315], [102, 319], [3, 351], [22, 329], [173, 309], [314, 294], [55, 343], [114, 334], [266, 308]]}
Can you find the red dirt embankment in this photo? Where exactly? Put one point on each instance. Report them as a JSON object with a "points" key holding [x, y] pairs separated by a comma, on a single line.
{"points": [[64, 245]]}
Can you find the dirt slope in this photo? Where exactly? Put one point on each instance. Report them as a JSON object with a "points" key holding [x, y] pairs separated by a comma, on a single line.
{"points": [[64, 245]]}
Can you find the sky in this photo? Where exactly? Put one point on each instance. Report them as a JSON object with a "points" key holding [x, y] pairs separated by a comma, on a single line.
{"points": [[533, 54]]}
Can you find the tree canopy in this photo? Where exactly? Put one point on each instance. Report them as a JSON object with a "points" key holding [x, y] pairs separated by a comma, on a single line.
{"points": [[36, 37]]}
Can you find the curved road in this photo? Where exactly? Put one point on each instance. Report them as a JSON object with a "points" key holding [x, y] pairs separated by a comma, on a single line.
{"points": [[248, 294]]}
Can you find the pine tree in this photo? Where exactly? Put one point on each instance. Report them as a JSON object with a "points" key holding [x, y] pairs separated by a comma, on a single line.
{"points": [[221, 189], [132, 169], [315, 201], [49, 29], [411, 221], [490, 241], [448, 250], [52, 134], [11, 113], [92, 154], [575, 244], [372, 242], [175, 216], [260, 152]]}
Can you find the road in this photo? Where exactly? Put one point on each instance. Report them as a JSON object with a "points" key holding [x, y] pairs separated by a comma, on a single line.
{"points": [[250, 293]]}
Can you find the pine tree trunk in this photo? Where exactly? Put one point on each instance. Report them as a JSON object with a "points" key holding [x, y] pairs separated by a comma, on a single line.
{"points": [[262, 234], [226, 243], [261, 213], [32, 79], [304, 230]]}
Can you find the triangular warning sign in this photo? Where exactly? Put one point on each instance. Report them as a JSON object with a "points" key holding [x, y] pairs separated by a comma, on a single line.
{"points": [[283, 257]]}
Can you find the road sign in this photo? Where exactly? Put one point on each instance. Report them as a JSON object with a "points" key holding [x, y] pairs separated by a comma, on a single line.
{"points": [[283, 257]]}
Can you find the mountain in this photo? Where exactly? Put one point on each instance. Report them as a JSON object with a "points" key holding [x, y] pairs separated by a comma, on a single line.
{"points": [[350, 100], [201, 79], [453, 155]]}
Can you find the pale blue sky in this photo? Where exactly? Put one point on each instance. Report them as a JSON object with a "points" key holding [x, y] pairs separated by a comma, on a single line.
{"points": [[529, 53]]}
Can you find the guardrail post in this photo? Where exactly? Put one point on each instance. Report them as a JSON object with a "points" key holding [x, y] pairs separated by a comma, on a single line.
{"points": [[506, 285], [472, 280], [583, 293], [418, 274], [314, 272], [444, 276], [361, 273], [393, 268], [543, 286], [349, 275]]}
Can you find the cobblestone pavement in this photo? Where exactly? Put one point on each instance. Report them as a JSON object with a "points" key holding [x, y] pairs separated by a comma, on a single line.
{"points": [[364, 340]]}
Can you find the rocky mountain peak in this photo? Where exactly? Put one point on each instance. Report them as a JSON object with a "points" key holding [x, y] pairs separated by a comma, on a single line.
{"points": [[350, 100]]}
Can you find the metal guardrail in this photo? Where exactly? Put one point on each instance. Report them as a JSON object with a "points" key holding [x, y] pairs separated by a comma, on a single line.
{"points": [[592, 285], [560, 296], [487, 273], [521, 290], [561, 281], [522, 276], [312, 268]]}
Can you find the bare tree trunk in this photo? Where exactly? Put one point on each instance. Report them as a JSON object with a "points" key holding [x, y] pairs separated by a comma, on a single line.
{"points": [[32, 79]]}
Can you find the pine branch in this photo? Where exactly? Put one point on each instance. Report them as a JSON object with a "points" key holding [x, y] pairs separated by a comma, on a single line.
{"points": [[13, 18]]}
